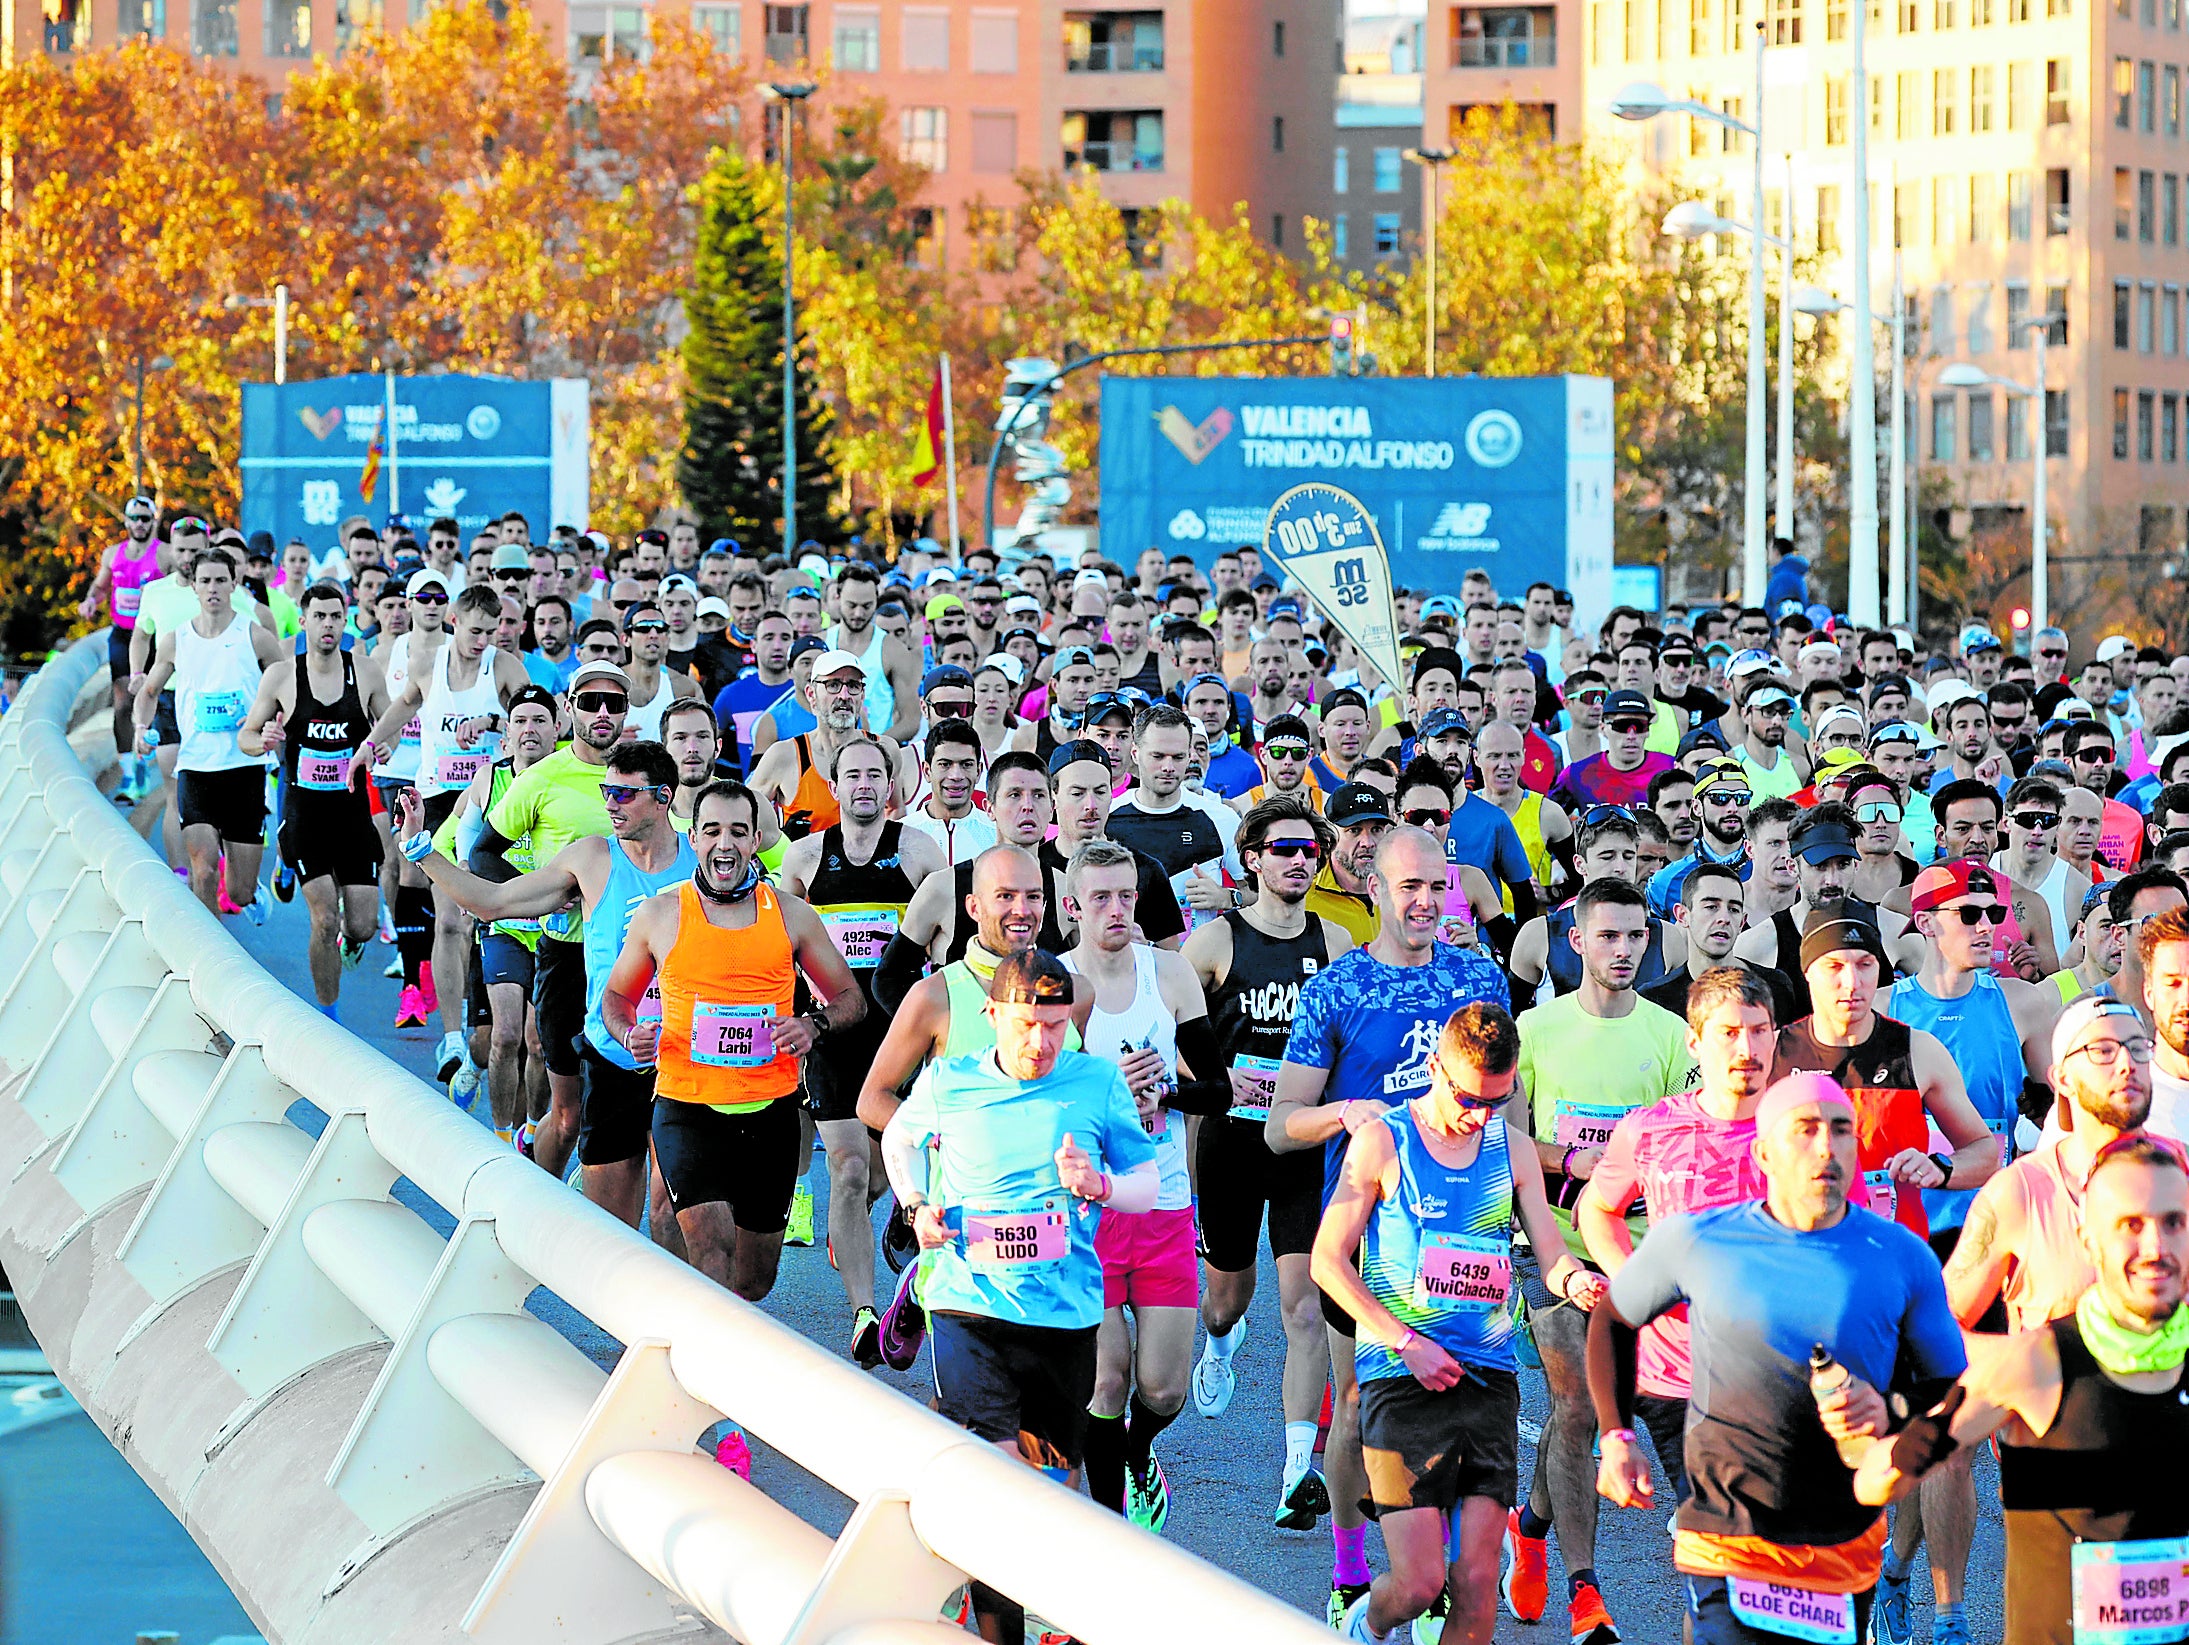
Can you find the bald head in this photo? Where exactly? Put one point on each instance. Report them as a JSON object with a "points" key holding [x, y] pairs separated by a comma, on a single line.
{"points": [[1008, 899], [1002, 865], [1499, 737], [1408, 853]]}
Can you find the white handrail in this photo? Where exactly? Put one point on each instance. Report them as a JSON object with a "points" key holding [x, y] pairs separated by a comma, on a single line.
{"points": [[354, 1417]]}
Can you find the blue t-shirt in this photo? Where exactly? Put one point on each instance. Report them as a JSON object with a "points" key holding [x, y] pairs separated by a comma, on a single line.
{"points": [[992, 1143], [543, 670], [1759, 1296], [1232, 772], [1669, 884], [739, 705], [1481, 834], [1375, 1026], [1978, 1032]]}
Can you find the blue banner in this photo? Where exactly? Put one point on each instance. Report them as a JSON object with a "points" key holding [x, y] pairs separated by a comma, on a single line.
{"points": [[470, 448], [1512, 474]]}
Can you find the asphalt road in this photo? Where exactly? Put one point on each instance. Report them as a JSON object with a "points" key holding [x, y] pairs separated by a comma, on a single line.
{"points": [[1223, 1474]]}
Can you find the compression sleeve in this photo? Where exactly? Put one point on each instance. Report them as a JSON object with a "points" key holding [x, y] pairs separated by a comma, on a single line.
{"points": [[1198, 1050], [905, 1160], [904, 962], [485, 858], [1613, 1350]]}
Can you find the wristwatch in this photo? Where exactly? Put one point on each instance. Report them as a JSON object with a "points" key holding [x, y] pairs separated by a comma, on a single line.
{"points": [[1944, 1162], [819, 1019]]}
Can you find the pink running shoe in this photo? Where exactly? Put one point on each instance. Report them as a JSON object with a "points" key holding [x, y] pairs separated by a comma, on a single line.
{"points": [[734, 1454], [411, 1010], [426, 990]]}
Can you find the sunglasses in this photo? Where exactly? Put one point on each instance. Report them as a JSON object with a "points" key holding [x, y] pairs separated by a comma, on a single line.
{"points": [[431, 596], [2093, 756], [2049, 652], [1285, 751], [1629, 726], [2037, 822], [1598, 814], [1878, 811], [649, 626], [1429, 816], [625, 793], [601, 702], [1728, 797], [1292, 848], [943, 709], [1973, 914], [1590, 696]]}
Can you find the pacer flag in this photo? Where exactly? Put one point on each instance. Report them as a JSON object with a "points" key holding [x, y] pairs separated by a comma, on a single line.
{"points": [[1324, 540], [927, 456], [369, 480]]}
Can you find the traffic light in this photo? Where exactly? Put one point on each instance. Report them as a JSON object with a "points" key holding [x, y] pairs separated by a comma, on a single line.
{"points": [[1341, 345]]}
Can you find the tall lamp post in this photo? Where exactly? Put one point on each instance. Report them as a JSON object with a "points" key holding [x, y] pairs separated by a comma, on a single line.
{"points": [[1812, 301], [1644, 101], [1433, 161], [790, 94], [279, 303], [1961, 375]]}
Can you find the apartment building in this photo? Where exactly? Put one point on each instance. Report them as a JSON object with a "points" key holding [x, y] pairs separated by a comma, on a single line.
{"points": [[2026, 157], [1485, 56]]}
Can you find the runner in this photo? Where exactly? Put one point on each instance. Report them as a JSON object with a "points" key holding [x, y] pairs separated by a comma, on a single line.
{"points": [[1723, 797], [1416, 1247], [859, 877], [944, 811], [2134, 901], [1287, 756], [1365, 1036], [654, 685], [406, 909], [1767, 710], [216, 661], [1968, 815], [332, 697], [793, 773], [1079, 791], [726, 951], [2091, 1419], [694, 742], [1609, 849], [1194, 845], [1694, 1151], [939, 923], [1821, 850], [1621, 773], [1071, 683], [1151, 1020], [740, 705], [1023, 1138], [889, 669], [1772, 1538], [2032, 859], [1342, 892], [1586, 1059], [1709, 916], [124, 570], [1546, 832]]}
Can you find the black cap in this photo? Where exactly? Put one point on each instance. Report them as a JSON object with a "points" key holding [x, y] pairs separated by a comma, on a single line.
{"points": [[1833, 926], [1621, 703], [535, 694], [1080, 748], [1356, 803], [1702, 736], [1030, 977], [1340, 698], [1823, 840]]}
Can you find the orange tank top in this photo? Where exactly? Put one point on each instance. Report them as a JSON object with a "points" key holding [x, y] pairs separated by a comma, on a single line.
{"points": [[722, 992], [813, 806]]}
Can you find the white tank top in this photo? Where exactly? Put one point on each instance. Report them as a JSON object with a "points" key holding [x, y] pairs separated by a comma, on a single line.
{"points": [[401, 765], [443, 765], [1146, 1022], [643, 722], [215, 682], [2053, 890]]}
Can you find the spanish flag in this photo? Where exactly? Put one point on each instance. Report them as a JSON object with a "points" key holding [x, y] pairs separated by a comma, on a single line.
{"points": [[927, 455], [368, 481]]}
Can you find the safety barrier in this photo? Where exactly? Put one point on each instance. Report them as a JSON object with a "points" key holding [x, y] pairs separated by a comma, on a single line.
{"points": [[357, 1419]]}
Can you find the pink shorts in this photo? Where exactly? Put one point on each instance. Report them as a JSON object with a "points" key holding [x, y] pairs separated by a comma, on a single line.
{"points": [[1148, 1259]]}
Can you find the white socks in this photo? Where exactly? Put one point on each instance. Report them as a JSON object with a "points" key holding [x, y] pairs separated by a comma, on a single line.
{"points": [[1221, 1348], [1299, 1450]]}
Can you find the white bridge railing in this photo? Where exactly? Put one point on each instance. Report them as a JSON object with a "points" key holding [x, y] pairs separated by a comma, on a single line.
{"points": [[355, 1418]]}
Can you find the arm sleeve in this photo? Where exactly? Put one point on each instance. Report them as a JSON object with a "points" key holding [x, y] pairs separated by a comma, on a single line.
{"points": [[485, 857], [1649, 1284], [904, 962], [1197, 1046], [904, 1139]]}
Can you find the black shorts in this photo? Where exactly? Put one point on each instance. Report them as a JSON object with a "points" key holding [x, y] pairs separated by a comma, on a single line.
{"points": [[1005, 1383], [1240, 1182], [1429, 1448], [164, 721], [746, 1161], [231, 801], [618, 1116], [839, 1064], [558, 999], [440, 807], [117, 653], [503, 959], [1666, 1420], [329, 837]]}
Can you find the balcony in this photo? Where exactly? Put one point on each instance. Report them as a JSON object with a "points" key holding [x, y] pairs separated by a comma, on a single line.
{"points": [[1099, 155], [67, 25], [1119, 141], [1112, 42], [1504, 37]]}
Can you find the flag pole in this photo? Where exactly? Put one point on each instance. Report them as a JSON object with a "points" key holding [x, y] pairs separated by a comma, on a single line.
{"points": [[395, 458], [950, 453]]}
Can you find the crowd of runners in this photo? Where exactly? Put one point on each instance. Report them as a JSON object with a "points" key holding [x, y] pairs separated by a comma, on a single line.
{"points": [[1772, 1034]]}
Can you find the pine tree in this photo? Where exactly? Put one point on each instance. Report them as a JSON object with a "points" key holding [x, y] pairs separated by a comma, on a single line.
{"points": [[731, 466]]}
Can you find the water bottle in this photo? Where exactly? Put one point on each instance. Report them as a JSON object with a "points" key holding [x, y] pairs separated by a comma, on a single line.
{"points": [[1826, 1377]]}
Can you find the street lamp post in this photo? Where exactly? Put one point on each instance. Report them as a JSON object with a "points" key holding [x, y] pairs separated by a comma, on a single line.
{"points": [[1862, 407], [1433, 162], [1961, 375], [1811, 300], [279, 303], [790, 95], [1644, 101], [1782, 514]]}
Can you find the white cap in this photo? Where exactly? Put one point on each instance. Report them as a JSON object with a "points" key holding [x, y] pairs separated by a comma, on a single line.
{"points": [[1819, 648], [1006, 665], [1841, 714], [1943, 694], [835, 662], [714, 606], [1743, 666], [676, 580], [600, 670], [426, 577], [815, 565], [1090, 578], [1022, 605], [2114, 645]]}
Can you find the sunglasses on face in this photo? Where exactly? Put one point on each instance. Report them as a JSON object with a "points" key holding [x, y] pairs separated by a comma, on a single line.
{"points": [[2049, 652], [601, 702], [1728, 797], [430, 596], [1590, 696], [2037, 822], [1428, 816], [1877, 811], [1970, 913], [948, 709], [2093, 756], [1285, 751], [1597, 814], [648, 626], [1292, 848], [1628, 726], [625, 793]]}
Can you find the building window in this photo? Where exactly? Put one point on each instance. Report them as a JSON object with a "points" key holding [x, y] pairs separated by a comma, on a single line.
{"points": [[1835, 110], [2056, 91], [1945, 102], [926, 223], [1340, 169], [602, 34], [1113, 42], [2144, 408], [1277, 38], [1904, 207], [1277, 134], [213, 28], [2018, 89], [1942, 431], [1835, 20], [2170, 320], [923, 41], [1387, 233], [858, 43], [2147, 97], [1980, 341], [1277, 230], [1983, 192], [2056, 311], [722, 26], [2059, 213], [2055, 422], [2017, 315], [1942, 333], [2169, 210], [2169, 426], [1729, 140], [1341, 237], [1698, 28], [2170, 101], [1980, 84], [1904, 101], [1785, 21], [2018, 193], [2124, 91], [785, 39], [995, 142], [2017, 429], [1390, 165], [353, 19], [145, 17], [288, 28], [1941, 14], [2120, 424], [2124, 203], [2147, 302], [2147, 204], [1114, 140], [2121, 290], [1943, 189], [993, 42], [926, 139], [1980, 413], [1827, 219], [1909, 17], [67, 25]]}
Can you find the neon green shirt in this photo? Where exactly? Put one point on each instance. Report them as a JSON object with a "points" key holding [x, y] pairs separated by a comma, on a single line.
{"points": [[554, 804]]}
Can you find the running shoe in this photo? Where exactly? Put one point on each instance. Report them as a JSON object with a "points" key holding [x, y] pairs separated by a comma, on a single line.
{"points": [[257, 908], [866, 1338], [227, 904], [411, 1010], [1148, 1500], [1891, 1618], [1950, 1628], [353, 955], [1214, 1381], [463, 1087], [904, 1325], [1353, 1624], [899, 1243], [1343, 1597], [1429, 1626], [284, 883], [451, 1056], [387, 926], [525, 1135], [1525, 1584], [734, 1454], [426, 990], [395, 968], [1302, 1501], [1591, 1622], [799, 1230]]}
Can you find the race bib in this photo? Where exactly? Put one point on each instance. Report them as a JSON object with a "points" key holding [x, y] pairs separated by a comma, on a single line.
{"points": [[649, 1004], [745, 723], [1157, 1124], [1462, 1273], [316, 768], [2131, 1593], [1015, 1241], [126, 601], [1253, 1086], [733, 1036], [411, 732], [218, 712], [1578, 1125], [457, 770], [1796, 1613], [860, 934], [1884, 1193]]}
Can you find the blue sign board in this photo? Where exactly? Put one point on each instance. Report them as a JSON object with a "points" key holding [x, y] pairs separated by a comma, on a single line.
{"points": [[1512, 474], [470, 448]]}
